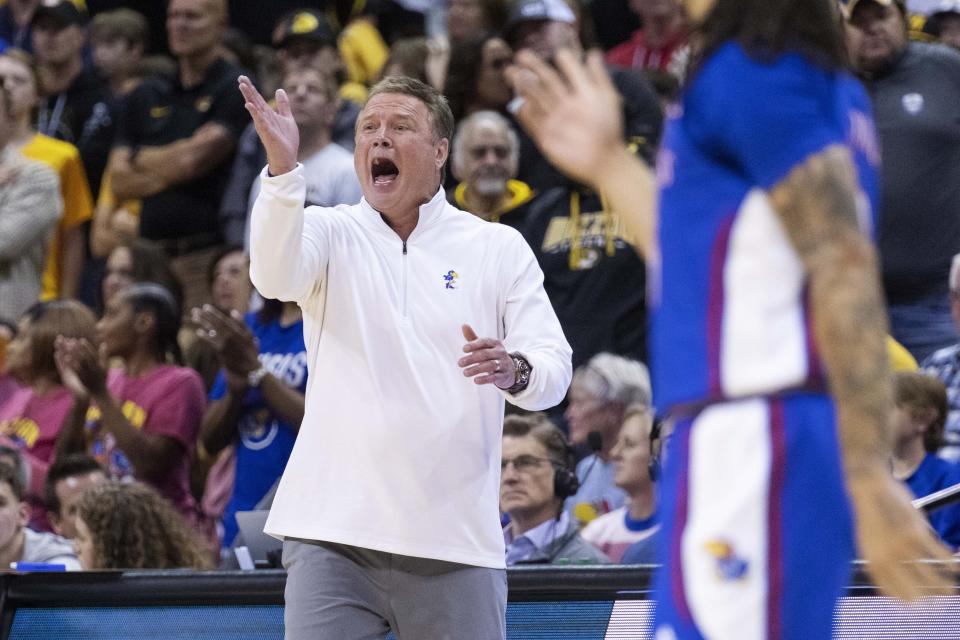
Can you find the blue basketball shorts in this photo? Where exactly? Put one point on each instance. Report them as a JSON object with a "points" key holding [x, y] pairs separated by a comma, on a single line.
{"points": [[757, 527]]}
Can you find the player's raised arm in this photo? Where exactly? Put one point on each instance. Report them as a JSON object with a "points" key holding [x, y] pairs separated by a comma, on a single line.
{"points": [[816, 205], [574, 116]]}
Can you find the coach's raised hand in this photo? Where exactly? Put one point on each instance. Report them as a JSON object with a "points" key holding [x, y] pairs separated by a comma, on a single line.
{"points": [[277, 130]]}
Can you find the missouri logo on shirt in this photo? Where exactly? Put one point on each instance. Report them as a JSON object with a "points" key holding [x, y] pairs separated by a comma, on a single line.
{"points": [[133, 412], [591, 232], [21, 430]]}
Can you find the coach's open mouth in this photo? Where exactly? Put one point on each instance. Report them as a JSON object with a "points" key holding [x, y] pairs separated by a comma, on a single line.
{"points": [[383, 171]]}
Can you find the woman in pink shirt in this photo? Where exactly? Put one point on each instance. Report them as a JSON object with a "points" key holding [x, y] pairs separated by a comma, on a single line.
{"points": [[141, 420], [32, 416]]}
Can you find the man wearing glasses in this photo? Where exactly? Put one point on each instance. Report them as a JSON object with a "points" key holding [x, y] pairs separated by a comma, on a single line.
{"points": [[536, 476], [945, 365]]}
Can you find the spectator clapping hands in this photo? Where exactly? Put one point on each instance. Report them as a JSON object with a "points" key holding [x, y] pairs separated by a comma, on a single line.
{"points": [[233, 341], [82, 370]]}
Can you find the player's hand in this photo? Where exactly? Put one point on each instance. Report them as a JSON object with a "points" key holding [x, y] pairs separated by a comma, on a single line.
{"points": [[277, 130], [895, 538], [487, 360], [573, 113]]}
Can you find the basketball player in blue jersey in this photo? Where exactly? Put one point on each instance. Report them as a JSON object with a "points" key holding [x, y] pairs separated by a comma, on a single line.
{"points": [[768, 336]]}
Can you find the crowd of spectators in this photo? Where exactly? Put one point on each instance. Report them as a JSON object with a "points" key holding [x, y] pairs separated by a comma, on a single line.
{"points": [[148, 393]]}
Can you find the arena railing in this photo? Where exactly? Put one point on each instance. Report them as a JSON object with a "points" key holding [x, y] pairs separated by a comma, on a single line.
{"points": [[545, 602]]}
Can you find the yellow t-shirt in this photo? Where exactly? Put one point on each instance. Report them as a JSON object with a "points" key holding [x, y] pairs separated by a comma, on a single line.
{"points": [[363, 51], [64, 159], [354, 91], [900, 358], [106, 199]]}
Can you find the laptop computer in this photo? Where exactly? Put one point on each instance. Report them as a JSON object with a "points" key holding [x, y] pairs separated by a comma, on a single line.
{"points": [[259, 544]]}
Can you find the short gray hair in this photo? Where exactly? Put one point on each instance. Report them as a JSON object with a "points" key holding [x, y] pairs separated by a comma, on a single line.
{"points": [[613, 378], [475, 120], [441, 118]]}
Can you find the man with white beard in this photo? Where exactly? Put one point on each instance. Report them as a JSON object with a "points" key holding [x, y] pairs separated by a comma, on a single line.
{"points": [[484, 160]]}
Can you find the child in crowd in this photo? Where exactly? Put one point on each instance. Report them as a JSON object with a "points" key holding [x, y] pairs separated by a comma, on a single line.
{"points": [[919, 417], [129, 526], [68, 478]]}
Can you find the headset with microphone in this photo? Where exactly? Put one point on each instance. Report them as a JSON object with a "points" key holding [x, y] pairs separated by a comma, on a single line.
{"points": [[653, 467], [565, 481]]}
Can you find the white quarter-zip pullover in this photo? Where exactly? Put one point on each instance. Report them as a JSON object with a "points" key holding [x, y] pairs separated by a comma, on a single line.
{"points": [[399, 451]]}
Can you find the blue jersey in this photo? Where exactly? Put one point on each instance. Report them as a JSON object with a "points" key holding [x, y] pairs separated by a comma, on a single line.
{"points": [[931, 476], [730, 312], [265, 440]]}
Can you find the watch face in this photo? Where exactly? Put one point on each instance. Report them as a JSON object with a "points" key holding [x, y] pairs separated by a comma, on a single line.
{"points": [[523, 369], [521, 374]]}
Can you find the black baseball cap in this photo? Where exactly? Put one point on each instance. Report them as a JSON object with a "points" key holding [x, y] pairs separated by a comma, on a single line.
{"points": [[537, 11], [63, 12], [853, 4], [945, 7], [304, 24]]}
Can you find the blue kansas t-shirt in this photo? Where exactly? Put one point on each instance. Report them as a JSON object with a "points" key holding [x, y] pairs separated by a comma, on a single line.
{"points": [[931, 476], [265, 440]]}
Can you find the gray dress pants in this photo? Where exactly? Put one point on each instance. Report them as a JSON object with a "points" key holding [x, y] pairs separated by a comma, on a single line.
{"points": [[340, 592]]}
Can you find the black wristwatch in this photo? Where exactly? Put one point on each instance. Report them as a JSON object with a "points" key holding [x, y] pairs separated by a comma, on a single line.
{"points": [[522, 370]]}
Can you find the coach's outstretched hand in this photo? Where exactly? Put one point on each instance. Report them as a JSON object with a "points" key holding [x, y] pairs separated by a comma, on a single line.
{"points": [[896, 540], [277, 130], [487, 360], [574, 114]]}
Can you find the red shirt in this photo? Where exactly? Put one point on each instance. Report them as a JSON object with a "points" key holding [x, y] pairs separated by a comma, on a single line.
{"points": [[32, 424], [167, 401], [635, 54]]}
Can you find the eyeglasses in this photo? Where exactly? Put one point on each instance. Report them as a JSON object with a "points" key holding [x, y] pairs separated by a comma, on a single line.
{"points": [[524, 463], [480, 151]]}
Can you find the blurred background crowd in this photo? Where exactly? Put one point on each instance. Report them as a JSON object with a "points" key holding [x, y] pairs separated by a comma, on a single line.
{"points": [[148, 393]]}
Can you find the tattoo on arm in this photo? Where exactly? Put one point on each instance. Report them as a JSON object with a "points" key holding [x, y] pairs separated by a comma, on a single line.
{"points": [[817, 206]]}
